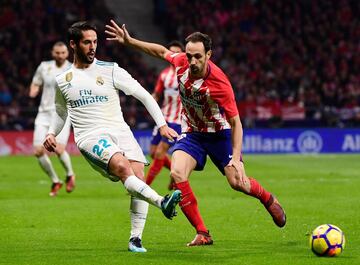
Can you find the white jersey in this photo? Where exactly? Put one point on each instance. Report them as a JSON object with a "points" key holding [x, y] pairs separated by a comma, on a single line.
{"points": [[45, 76], [91, 97]]}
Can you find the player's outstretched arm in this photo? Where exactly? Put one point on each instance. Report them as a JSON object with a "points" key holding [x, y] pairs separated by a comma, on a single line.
{"points": [[121, 35]]}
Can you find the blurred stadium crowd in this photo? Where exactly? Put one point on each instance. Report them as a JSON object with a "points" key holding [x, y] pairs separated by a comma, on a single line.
{"points": [[28, 29], [291, 63]]}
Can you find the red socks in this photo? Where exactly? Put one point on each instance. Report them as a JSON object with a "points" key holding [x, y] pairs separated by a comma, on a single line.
{"points": [[189, 206], [257, 191], [154, 170]]}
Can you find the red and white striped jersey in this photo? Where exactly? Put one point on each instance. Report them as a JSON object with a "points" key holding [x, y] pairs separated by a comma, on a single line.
{"points": [[207, 102], [167, 84]]}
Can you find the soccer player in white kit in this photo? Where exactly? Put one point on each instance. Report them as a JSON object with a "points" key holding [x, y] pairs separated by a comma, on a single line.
{"points": [[44, 80], [88, 93]]}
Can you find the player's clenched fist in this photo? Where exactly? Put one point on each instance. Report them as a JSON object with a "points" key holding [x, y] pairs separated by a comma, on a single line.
{"points": [[50, 142]]}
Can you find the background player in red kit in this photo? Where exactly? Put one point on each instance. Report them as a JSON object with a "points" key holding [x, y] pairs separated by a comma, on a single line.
{"points": [[210, 125], [166, 86]]}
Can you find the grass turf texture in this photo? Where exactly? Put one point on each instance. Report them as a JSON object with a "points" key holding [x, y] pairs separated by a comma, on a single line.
{"points": [[91, 225]]}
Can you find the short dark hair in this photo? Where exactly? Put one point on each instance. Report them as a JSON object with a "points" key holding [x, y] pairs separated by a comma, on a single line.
{"points": [[59, 43], [175, 43], [200, 37], [75, 31]]}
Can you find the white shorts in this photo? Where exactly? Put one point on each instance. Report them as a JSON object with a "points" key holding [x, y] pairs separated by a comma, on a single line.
{"points": [[42, 124], [100, 147]]}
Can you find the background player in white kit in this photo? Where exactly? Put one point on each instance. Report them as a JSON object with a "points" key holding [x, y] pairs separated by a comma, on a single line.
{"points": [[88, 93], [44, 80]]}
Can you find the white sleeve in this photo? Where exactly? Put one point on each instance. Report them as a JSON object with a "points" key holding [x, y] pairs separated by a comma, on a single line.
{"points": [[126, 83], [59, 117], [151, 105], [37, 78]]}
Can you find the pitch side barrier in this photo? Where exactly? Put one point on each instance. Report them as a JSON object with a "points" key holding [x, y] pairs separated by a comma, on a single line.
{"points": [[290, 141], [255, 141]]}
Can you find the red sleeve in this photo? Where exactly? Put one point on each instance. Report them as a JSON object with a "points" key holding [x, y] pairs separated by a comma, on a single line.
{"points": [[176, 59], [221, 91]]}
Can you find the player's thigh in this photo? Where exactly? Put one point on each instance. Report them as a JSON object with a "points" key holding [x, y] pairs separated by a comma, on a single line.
{"points": [[129, 146], [219, 148], [98, 150], [40, 132], [182, 164]]}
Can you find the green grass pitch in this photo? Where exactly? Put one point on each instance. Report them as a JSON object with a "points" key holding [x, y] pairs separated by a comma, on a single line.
{"points": [[91, 225]]}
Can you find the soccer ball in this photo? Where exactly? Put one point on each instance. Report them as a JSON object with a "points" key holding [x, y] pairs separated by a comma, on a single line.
{"points": [[327, 240]]}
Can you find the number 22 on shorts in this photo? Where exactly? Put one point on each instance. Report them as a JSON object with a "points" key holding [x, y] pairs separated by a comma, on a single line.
{"points": [[99, 148]]}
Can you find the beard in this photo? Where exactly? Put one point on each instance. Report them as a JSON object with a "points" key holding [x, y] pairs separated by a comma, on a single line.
{"points": [[60, 61], [83, 58], [194, 70]]}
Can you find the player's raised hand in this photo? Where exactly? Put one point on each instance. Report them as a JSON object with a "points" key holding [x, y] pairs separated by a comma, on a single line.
{"points": [[115, 33], [50, 142], [168, 132]]}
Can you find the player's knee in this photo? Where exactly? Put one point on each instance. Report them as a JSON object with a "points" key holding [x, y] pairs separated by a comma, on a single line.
{"points": [[237, 185], [122, 168], [139, 172], [39, 151], [59, 149], [177, 176]]}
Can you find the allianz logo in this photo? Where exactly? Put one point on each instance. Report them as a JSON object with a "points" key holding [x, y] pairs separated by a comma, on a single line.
{"points": [[308, 142], [258, 143], [351, 143]]}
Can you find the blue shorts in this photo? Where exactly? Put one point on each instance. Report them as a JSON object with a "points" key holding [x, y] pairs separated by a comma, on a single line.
{"points": [[157, 138], [217, 146]]}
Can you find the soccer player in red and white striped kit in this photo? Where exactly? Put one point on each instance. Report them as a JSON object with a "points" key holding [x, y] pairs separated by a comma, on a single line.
{"points": [[210, 125]]}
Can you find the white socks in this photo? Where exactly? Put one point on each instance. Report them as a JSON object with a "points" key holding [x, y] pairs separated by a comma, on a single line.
{"points": [[47, 166], [138, 214], [66, 162], [141, 190]]}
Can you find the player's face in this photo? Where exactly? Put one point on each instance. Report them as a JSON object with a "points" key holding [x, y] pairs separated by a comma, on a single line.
{"points": [[86, 49], [60, 53], [197, 58]]}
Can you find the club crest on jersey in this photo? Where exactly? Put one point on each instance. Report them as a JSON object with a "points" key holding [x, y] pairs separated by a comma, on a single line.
{"points": [[69, 77], [99, 81]]}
